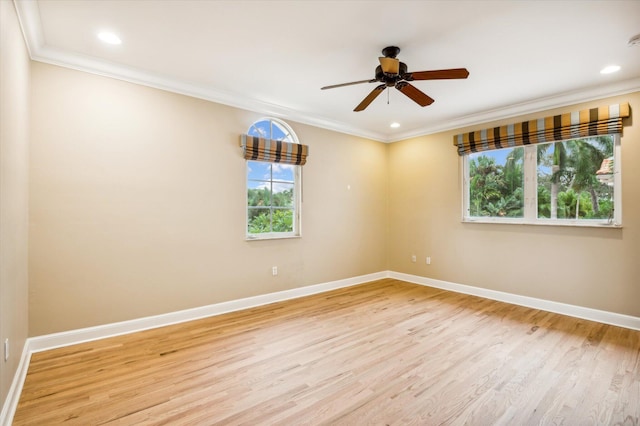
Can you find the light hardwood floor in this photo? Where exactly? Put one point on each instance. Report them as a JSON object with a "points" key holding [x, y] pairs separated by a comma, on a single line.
{"points": [[386, 352]]}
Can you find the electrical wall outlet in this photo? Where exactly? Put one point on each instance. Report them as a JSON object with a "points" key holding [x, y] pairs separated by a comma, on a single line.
{"points": [[274, 271], [6, 349], [413, 258], [428, 260]]}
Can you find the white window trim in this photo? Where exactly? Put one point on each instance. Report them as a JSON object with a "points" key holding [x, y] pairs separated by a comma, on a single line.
{"points": [[297, 199], [531, 195], [297, 194]]}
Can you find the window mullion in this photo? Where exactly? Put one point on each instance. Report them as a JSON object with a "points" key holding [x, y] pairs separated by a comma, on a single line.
{"points": [[530, 183], [271, 193], [464, 161], [617, 181]]}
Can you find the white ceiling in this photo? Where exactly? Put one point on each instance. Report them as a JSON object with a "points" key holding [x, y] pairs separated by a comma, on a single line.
{"points": [[273, 56]]}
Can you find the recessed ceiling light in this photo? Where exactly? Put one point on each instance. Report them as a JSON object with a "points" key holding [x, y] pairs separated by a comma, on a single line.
{"points": [[610, 69], [110, 38], [394, 125]]}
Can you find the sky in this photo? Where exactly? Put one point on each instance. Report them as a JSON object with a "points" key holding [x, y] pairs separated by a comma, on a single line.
{"points": [[500, 155], [260, 173]]}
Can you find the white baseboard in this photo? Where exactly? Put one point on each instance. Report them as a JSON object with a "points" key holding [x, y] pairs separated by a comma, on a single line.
{"points": [[72, 337], [605, 317], [13, 397], [52, 341], [66, 338]]}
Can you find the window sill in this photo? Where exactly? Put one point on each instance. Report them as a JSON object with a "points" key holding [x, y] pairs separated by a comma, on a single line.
{"points": [[270, 237], [549, 222]]}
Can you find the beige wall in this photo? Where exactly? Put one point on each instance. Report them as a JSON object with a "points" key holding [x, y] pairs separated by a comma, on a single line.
{"points": [[595, 268], [137, 205], [14, 97], [137, 209]]}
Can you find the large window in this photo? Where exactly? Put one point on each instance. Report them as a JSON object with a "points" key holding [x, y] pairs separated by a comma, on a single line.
{"points": [[273, 188], [570, 182]]}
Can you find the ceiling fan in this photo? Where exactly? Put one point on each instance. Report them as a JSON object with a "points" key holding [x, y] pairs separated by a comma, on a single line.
{"points": [[393, 73]]}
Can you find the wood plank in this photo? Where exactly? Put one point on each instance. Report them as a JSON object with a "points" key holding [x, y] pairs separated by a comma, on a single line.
{"points": [[386, 352]]}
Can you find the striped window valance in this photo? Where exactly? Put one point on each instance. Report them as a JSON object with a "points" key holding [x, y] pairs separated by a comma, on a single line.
{"points": [[261, 149], [589, 122]]}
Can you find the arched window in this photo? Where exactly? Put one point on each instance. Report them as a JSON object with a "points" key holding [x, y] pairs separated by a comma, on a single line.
{"points": [[273, 187]]}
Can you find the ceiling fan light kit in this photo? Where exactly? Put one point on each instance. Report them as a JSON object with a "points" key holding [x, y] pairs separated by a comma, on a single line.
{"points": [[393, 73]]}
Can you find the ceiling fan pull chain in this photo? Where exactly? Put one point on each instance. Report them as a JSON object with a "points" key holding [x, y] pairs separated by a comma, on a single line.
{"points": [[388, 95]]}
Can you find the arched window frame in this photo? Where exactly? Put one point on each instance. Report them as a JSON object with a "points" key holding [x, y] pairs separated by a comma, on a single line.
{"points": [[280, 175]]}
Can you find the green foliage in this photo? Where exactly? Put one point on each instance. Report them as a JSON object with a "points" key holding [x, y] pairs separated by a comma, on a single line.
{"points": [[259, 197], [571, 201], [544, 202], [262, 222], [269, 216], [282, 220], [283, 199], [570, 183], [259, 221], [497, 190]]}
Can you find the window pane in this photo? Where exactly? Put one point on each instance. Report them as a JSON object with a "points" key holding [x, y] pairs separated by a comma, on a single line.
{"points": [[575, 179], [283, 220], [260, 129], [282, 194], [277, 133], [283, 172], [259, 196], [496, 183], [259, 170], [270, 130], [259, 221]]}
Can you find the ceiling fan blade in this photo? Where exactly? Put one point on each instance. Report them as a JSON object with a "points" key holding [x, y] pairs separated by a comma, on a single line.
{"points": [[414, 93], [347, 84], [437, 74], [390, 65], [370, 97]]}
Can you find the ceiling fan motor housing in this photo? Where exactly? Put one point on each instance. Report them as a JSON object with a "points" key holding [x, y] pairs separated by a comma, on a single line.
{"points": [[390, 51], [391, 79]]}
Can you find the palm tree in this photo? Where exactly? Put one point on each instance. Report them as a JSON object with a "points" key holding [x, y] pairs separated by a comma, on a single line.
{"points": [[558, 171], [586, 160], [574, 165], [513, 170], [486, 184], [496, 189]]}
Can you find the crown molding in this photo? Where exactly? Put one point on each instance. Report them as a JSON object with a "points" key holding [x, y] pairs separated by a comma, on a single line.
{"points": [[537, 105], [29, 16], [95, 66]]}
